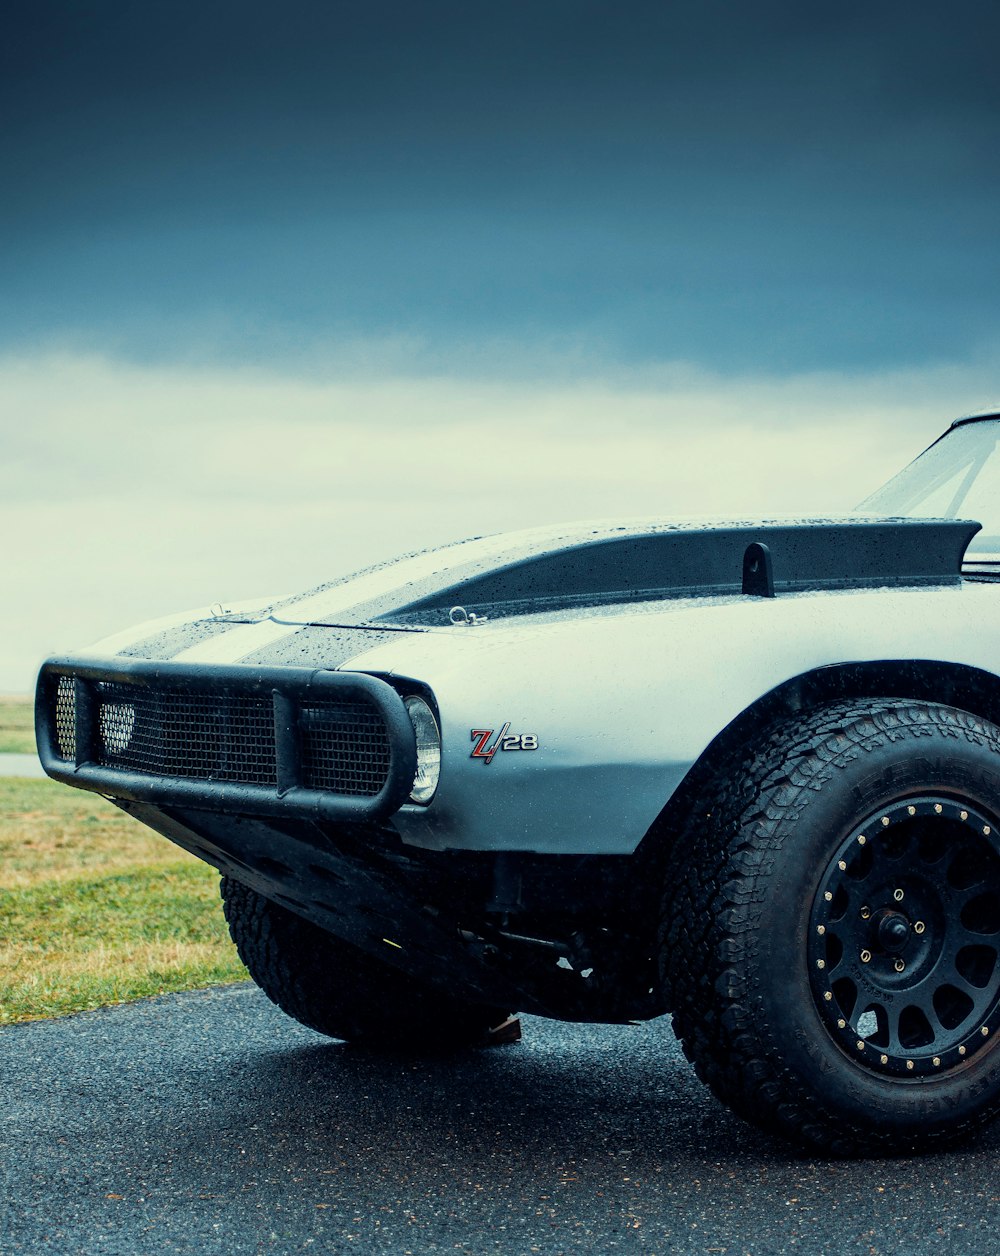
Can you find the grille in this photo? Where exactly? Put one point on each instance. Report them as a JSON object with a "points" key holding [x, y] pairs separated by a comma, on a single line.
{"points": [[66, 717], [206, 733], [345, 748], [203, 735]]}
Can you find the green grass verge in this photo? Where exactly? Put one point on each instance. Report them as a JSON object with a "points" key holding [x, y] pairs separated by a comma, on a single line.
{"points": [[96, 909], [17, 726]]}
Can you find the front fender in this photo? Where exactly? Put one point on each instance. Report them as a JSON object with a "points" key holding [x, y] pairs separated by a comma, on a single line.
{"points": [[624, 704]]}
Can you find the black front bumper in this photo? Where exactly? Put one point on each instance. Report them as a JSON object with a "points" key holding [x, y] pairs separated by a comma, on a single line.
{"points": [[263, 741]]}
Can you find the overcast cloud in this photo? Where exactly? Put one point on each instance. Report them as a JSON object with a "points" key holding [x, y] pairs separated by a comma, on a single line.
{"points": [[134, 491], [285, 289], [773, 186]]}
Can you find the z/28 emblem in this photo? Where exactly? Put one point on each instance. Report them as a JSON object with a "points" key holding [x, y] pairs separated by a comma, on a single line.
{"points": [[485, 749]]}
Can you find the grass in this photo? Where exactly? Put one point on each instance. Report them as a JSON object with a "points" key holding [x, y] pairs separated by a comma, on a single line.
{"points": [[96, 909], [17, 726]]}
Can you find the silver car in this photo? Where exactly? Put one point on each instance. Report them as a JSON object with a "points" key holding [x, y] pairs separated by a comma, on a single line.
{"points": [[745, 772]]}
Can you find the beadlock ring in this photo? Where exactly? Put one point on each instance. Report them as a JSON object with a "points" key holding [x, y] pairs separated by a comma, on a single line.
{"points": [[928, 1001]]}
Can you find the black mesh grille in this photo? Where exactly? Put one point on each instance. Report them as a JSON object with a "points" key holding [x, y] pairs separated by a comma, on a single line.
{"points": [[220, 733], [345, 748], [66, 717], [205, 735]]}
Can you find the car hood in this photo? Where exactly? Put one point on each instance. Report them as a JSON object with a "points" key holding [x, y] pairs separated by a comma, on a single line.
{"points": [[593, 564], [569, 570]]}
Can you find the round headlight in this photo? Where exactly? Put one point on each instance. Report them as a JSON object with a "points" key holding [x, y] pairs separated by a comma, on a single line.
{"points": [[428, 749]]}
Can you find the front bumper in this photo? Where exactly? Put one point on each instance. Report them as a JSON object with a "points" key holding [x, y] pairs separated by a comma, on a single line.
{"points": [[251, 769], [248, 740]]}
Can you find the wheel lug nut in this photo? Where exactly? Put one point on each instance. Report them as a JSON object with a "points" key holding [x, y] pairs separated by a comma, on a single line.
{"points": [[898, 895], [865, 913], [866, 957], [919, 927], [899, 965]]}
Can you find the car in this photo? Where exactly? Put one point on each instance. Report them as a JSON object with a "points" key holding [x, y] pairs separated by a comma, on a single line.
{"points": [[745, 772]]}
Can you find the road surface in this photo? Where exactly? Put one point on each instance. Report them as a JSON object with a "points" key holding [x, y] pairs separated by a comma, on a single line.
{"points": [[209, 1122]]}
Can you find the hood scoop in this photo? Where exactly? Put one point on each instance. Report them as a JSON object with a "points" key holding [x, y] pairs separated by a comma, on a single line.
{"points": [[523, 573]]}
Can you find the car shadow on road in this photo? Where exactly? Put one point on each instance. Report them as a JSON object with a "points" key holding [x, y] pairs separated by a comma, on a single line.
{"points": [[553, 1101], [566, 1092]]}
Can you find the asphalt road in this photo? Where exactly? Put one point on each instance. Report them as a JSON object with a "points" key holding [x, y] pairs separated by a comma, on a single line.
{"points": [[209, 1122]]}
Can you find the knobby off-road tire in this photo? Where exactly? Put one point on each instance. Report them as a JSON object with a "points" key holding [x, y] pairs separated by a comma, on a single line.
{"points": [[340, 991], [830, 931]]}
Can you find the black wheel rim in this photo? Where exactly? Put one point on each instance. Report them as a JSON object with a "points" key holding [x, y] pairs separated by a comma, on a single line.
{"points": [[904, 938]]}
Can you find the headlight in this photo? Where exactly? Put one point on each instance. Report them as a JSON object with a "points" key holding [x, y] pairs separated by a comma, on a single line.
{"points": [[428, 749]]}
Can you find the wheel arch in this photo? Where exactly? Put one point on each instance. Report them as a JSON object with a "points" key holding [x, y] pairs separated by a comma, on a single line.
{"points": [[765, 938], [960, 685]]}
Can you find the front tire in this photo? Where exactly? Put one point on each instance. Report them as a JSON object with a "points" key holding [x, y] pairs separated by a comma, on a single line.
{"points": [[340, 991], [830, 936]]}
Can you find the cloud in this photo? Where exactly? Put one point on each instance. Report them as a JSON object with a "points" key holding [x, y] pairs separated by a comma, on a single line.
{"points": [[89, 429], [760, 187], [129, 492]]}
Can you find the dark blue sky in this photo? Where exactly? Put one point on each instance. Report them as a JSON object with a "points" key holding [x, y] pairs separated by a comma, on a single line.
{"points": [[774, 187]]}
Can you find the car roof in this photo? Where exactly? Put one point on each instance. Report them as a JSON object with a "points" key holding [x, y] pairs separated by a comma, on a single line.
{"points": [[979, 417]]}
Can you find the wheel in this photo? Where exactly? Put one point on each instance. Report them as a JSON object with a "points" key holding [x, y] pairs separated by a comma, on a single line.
{"points": [[340, 991], [830, 935]]}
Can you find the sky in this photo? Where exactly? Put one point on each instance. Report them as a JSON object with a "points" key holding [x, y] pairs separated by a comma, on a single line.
{"points": [[286, 289]]}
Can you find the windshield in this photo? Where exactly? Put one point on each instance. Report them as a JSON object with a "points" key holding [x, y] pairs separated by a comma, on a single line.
{"points": [[957, 478]]}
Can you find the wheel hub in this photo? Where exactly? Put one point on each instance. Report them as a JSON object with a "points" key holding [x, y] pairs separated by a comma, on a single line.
{"points": [[892, 931], [904, 938]]}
